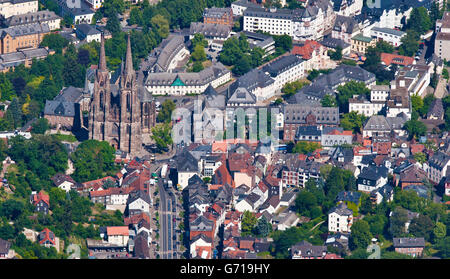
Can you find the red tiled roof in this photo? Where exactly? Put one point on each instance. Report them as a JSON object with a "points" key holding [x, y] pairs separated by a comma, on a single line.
{"points": [[41, 196], [117, 230], [223, 176], [48, 236], [306, 50], [383, 148], [246, 244], [389, 58], [136, 219], [416, 148]]}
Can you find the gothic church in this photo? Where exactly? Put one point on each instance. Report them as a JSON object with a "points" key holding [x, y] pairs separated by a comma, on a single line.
{"points": [[121, 111]]}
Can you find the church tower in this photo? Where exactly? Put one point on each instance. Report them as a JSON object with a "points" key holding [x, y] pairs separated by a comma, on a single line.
{"points": [[130, 112], [114, 115]]}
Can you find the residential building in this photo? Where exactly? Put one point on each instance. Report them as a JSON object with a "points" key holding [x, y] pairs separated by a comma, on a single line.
{"points": [[361, 105], [335, 136], [315, 56], [371, 178], [438, 165], [263, 41], [360, 43], [309, 133], [345, 28], [187, 167], [238, 7], [347, 7], [118, 235], [297, 115], [47, 239], [285, 69], [41, 201], [222, 16], [285, 220], [9, 61], [376, 126], [409, 246], [88, 32], [81, 14], [15, 38], [5, 249], [332, 44], [400, 60], [64, 182], [139, 201], [340, 219], [436, 110], [215, 34], [305, 250], [442, 40], [10, 8], [41, 17], [95, 4], [388, 35]]}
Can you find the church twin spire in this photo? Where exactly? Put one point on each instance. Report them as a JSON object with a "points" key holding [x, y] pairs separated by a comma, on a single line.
{"points": [[128, 73]]}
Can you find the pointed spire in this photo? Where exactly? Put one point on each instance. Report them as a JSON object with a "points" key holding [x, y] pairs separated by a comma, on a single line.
{"points": [[102, 59], [128, 60]]}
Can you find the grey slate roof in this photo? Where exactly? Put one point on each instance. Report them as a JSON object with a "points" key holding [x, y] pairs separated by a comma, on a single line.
{"points": [[306, 249], [377, 123], [282, 64], [138, 195], [350, 196], [186, 162], [439, 160], [190, 79], [373, 173], [296, 114], [341, 209], [389, 31], [333, 43], [70, 94], [348, 22], [245, 3], [308, 131], [4, 246], [436, 109], [87, 29], [210, 29], [404, 242], [251, 80], [59, 108], [24, 30], [28, 18]]}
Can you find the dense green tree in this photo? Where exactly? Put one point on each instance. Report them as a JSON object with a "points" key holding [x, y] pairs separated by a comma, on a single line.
{"points": [[410, 44], [422, 226], [304, 202], [419, 20], [165, 114], [92, 160], [392, 255], [346, 91], [439, 231], [305, 147], [397, 222], [113, 24], [54, 41], [6, 88], [12, 209], [415, 128], [360, 253], [337, 54], [40, 126], [161, 25], [199, 53], [248, 223], [360, 236], [328, 101], [162, 136], [353, 121], [263, 227]]}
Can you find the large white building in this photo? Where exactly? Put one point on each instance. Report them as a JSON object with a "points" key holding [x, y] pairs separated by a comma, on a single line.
{"points": [[391, 36], [301, 24], [10, 8], [340, 219], [95, 4], [378, 97], [180, 84], [348, 7]]}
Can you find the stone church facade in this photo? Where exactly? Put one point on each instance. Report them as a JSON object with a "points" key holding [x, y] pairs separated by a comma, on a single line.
{"points": [[120, 111]]}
